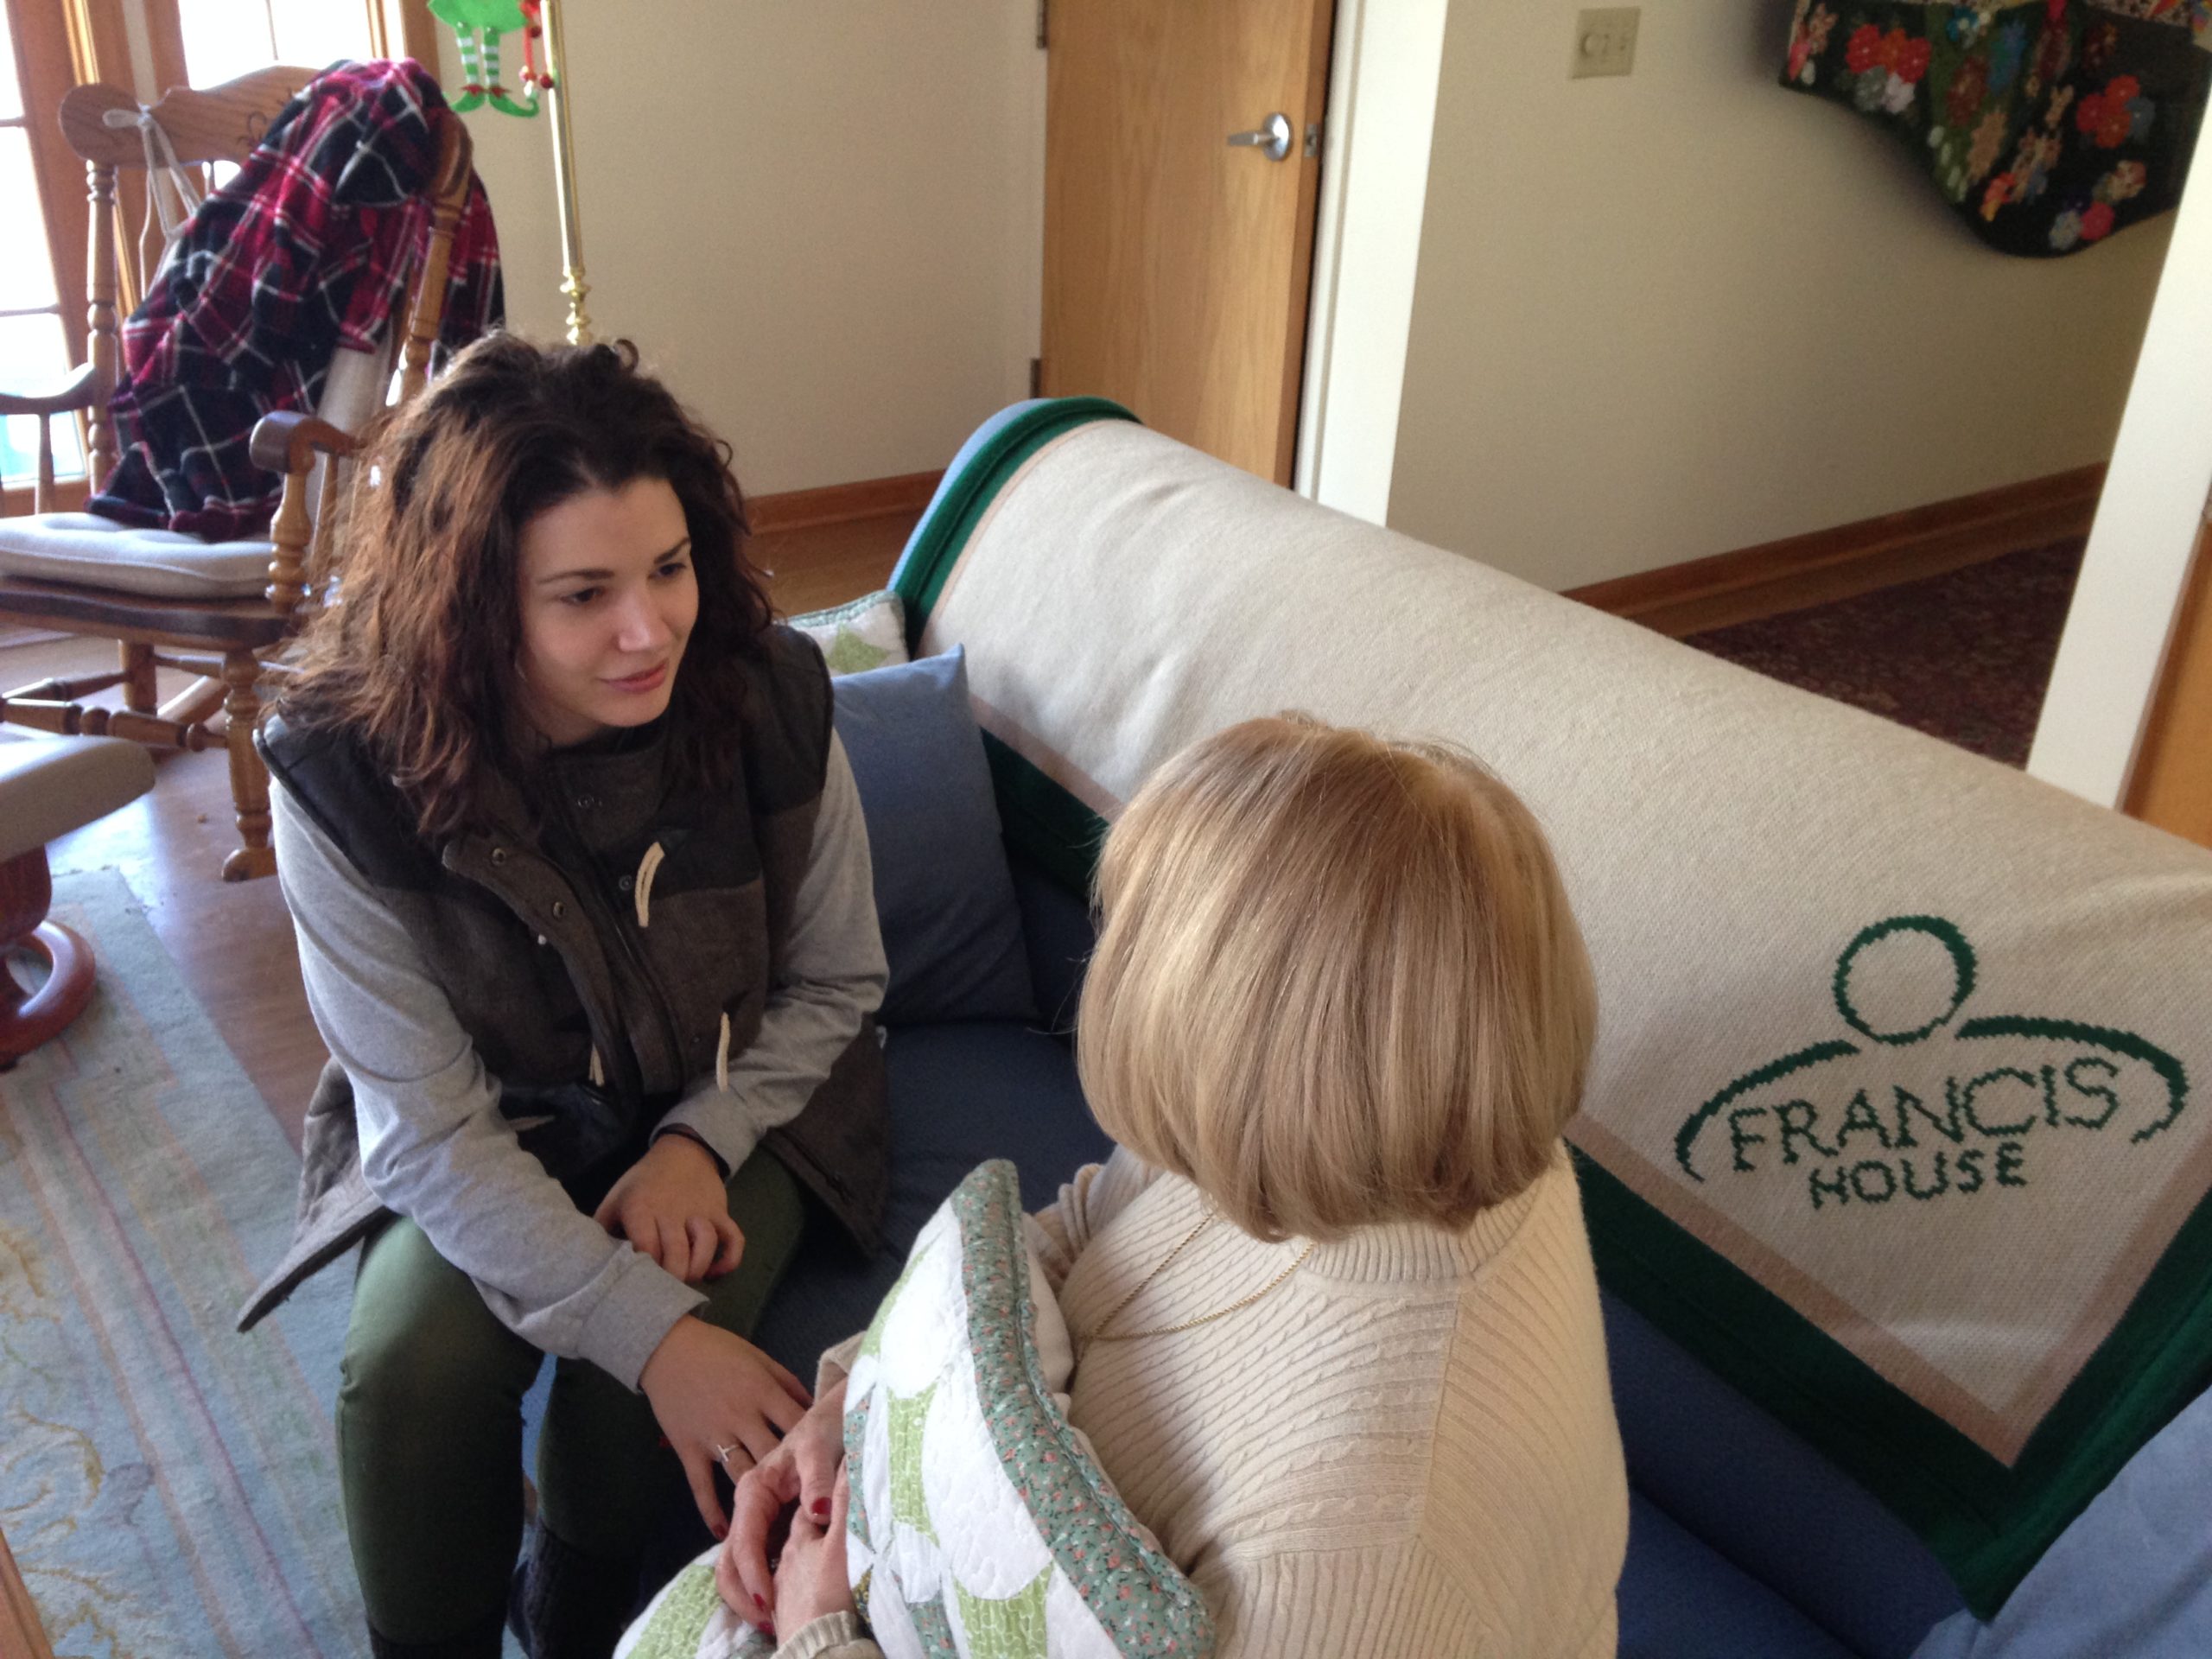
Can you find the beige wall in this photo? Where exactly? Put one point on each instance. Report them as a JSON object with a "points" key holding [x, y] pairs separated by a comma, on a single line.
{"points": [[1686, 312], [820, 219]]}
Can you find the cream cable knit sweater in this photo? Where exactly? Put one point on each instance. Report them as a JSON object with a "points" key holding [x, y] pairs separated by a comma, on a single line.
{"points": [[1407, 1450]]}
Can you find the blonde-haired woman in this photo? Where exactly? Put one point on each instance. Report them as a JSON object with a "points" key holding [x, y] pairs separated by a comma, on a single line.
{"points": [[1337, 1324]]}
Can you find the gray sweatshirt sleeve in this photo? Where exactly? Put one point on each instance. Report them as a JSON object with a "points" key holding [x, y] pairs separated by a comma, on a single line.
{"points": [[434, 1144], [833, 976]]}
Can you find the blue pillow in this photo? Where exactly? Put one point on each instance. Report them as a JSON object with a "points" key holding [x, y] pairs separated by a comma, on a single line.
{"points": [[2133, 1575], [951, 929]]}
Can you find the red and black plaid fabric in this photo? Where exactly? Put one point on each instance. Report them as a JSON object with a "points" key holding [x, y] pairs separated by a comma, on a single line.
{"points": [[309, 248]]}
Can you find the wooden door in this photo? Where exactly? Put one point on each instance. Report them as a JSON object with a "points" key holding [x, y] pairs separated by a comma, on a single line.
{"points": [[1176, 266]]}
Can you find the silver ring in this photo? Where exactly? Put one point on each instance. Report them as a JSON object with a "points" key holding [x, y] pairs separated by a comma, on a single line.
{"points": [[724, 1453]]}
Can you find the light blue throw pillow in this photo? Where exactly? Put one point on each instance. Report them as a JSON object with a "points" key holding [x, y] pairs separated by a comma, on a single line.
{"points": [[951, 928], [2132, 1576]]}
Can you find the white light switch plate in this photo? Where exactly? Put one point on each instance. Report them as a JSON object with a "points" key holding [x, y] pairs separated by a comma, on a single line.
{"points": [[1604, 41]]}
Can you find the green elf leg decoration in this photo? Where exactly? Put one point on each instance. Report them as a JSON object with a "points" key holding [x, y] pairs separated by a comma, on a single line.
{"points": [[472, 69], [478, 25]]}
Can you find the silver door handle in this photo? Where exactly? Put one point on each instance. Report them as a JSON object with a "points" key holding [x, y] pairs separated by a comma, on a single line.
{"points": [[1273, 138]]}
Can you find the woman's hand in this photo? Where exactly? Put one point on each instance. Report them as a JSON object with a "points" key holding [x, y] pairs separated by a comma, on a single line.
{"points": [[719, 1400], [811, 1579], [803, 1473], [672, 1205]]}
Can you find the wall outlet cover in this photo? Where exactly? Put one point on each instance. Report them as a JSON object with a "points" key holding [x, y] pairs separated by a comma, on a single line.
{"points": [[1604, 41]]}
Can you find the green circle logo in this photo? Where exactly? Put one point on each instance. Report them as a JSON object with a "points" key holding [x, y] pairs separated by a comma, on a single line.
{"points": [[1888, 978]]}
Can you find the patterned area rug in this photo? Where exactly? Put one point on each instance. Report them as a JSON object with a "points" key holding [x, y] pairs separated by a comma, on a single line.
{"points": [[168, 1486], [1966, 655]]}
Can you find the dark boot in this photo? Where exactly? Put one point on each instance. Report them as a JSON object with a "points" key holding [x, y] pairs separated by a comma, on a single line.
{"points": [[567, 1604], [482, 1643]]}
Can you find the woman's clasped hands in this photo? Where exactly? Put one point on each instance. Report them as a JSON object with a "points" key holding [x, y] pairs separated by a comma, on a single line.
{"points": [[772, 1576]]}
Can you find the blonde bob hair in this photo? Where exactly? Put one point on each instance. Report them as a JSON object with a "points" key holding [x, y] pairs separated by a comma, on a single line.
{"points": [[1337, 982]]}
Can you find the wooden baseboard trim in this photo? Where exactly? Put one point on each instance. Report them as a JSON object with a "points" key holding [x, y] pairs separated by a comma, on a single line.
{"points": [[842, 504], [1852, 559]]}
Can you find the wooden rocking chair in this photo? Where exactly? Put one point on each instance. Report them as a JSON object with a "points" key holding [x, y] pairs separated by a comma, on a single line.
{"points": [[229, 607]]}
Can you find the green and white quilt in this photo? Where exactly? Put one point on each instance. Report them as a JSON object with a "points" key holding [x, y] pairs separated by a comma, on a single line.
{"points": [[981, 1525]]}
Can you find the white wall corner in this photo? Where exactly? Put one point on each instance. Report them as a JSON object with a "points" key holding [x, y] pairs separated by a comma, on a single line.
{"points": [[2133, 574], [1381, 115]]}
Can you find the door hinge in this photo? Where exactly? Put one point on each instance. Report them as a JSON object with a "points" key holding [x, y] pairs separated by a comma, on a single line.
{"points": [[1313, 138], [1036, 376], [1044, 23]]}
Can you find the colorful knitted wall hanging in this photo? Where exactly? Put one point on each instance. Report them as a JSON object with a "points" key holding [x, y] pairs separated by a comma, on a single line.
{"points": [[2048, 125]]}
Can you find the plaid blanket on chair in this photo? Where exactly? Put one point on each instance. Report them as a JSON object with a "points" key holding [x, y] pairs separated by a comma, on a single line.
{"points": [[308, 249]]}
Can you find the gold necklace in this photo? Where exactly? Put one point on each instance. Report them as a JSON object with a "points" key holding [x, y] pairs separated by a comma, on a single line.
{"points": [[1100, 1333]]}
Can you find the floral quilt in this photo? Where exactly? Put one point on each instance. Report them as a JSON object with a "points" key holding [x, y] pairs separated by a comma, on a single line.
{"points": [[2049, 125]]}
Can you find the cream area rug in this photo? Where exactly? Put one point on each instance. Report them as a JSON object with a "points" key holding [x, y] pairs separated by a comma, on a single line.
{"points": [[168, 1486]]}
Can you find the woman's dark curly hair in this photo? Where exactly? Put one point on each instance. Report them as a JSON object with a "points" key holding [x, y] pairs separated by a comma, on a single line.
{"points": [[418, 655]]}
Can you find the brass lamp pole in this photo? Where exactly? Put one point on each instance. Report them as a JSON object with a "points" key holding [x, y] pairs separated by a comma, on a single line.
{"points": [[564, 176]]}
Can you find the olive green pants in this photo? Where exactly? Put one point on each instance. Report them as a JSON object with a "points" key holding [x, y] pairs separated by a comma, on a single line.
{"points": [[430, 1426]]}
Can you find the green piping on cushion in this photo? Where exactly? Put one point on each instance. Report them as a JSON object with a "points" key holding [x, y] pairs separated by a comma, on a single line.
{"points": [[964, 497], [1986, 1523]]}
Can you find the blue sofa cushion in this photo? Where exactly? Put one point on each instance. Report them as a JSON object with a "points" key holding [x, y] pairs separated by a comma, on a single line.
{"points": [[959, 1094], [1682, 1600], [951, 932], [1764, 1500]]}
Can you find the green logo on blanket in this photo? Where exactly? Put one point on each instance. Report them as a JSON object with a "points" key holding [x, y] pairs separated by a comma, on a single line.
{"points": [[1919, 1105]]}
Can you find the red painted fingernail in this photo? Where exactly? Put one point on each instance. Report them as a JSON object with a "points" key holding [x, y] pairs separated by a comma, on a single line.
{"points": [[761, 1604], [822, 1506], [721, 1532]]}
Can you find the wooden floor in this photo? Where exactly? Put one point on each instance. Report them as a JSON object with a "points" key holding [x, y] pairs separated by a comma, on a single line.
{"points": [[233, 943]]}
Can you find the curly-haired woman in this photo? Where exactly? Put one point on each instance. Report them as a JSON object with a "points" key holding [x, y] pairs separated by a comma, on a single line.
{"points": [[584, 912]]}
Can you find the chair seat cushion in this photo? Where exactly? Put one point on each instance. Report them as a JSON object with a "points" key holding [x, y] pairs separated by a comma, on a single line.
{"points": [[95, 552], [49, 786]]}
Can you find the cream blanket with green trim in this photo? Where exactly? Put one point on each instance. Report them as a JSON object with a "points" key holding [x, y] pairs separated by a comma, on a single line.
{"points": [[1898, 1093]]}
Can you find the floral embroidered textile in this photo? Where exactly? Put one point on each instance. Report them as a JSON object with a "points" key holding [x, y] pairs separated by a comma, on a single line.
{"points": [[2048, 125]]}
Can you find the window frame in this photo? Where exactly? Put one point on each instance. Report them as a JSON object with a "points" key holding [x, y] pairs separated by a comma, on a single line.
{"points": [[45, 68]]}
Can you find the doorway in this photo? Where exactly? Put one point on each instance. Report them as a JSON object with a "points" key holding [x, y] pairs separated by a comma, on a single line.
{"points": [[1182, 161]]}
